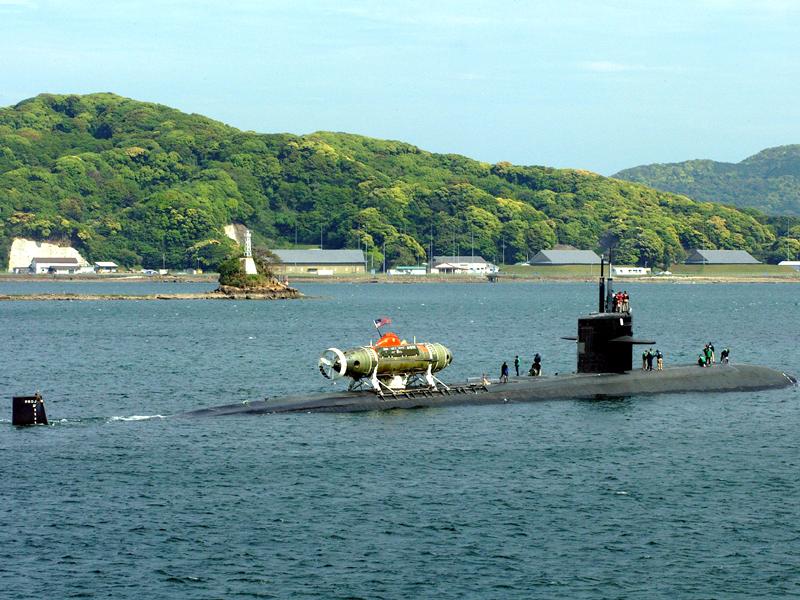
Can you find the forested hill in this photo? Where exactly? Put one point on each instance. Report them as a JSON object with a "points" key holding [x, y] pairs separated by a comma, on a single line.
{"points": [[768, 181], [134, 181]]}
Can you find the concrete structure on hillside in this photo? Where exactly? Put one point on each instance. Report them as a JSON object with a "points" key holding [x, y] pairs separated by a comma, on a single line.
{"points": [[54, 266], [462, 265], [23, 251], [564, 257], [105, 267], [320, 262], [720, 257]]}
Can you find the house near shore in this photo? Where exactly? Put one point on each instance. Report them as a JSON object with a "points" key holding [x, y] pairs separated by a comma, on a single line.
{"points": [[105, 267], [720, 257], [54, 266], [462, 265], [319, 262], [564, 257]]}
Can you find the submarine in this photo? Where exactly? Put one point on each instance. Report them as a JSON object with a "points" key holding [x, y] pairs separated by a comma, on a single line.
{"points": [[394, 374]]}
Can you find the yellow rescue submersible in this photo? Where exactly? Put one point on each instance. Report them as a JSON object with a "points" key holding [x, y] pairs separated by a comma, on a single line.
{"points": [[390, 364]]}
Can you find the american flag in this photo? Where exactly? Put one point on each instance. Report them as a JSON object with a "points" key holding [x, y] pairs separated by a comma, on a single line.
{"points": [[382, 321]]}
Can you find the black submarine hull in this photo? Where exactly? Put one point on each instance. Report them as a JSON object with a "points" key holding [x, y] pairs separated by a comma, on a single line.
{"points": [[674, 380]]}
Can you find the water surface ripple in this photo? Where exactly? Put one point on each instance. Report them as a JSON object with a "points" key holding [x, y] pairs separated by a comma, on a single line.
{"points": [[689, 496]]}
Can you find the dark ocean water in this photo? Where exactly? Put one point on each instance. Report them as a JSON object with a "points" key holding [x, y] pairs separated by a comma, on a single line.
{"points": [[675, 496]]}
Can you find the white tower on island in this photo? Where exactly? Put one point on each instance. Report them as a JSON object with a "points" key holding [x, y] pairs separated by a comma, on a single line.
{"points": [[247, 262]]}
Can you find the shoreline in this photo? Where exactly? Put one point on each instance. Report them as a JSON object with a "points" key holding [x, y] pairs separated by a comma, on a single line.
{"points": [[360, 279], [277, 295]]}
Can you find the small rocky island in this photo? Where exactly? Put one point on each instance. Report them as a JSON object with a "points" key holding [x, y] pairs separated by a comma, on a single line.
{"points": [[251, 278]]}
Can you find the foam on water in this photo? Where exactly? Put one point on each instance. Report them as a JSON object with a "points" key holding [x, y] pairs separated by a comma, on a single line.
{"points": [[136, 418]]}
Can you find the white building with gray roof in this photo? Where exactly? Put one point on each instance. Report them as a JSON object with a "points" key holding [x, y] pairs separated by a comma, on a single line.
{"points": [[58, 265], [467, 265]]}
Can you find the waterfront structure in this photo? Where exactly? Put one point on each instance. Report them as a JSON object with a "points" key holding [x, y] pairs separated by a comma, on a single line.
{"points": [[409, 270], [628, 271], [565, 257], [54, 265], [319, 262], [464, 265], [248, 264], [720, 257], [104, 266]]}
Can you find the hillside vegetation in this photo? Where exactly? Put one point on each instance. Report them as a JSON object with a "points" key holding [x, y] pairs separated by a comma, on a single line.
{"points": [[140, 183], [768, 181]]}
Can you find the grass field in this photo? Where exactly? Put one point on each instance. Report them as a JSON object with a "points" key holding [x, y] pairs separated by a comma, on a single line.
{"points": [[734, 271]]}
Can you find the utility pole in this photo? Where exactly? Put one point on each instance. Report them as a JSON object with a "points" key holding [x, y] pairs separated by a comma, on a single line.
{"points": [[320, 237], [472, 242], [384, 257], [430, 254], [504, 251]]}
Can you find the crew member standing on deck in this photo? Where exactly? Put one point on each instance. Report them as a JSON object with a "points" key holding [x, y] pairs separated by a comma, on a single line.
{"points": [[659, 360], [504, 372], [516, 364], [723, 356], [536, 367]]}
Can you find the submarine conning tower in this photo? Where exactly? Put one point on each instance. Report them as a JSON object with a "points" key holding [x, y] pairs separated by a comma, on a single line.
{"points": [[605, 338]]}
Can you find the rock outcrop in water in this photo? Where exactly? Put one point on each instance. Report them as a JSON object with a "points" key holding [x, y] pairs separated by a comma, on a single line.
{"points": [[236, 284], [273, 290]]}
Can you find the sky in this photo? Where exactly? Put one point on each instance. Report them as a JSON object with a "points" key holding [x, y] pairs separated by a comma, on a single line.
{"points": [[599, 85]]}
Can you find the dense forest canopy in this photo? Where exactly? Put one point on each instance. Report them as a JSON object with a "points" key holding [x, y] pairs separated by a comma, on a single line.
{"points": [[768, 181], [141, 183]]}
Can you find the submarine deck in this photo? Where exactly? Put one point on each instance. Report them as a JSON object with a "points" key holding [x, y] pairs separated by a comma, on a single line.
{"points": [[714, 379]]}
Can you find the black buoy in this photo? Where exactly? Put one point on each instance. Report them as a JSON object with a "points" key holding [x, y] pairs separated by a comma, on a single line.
{"points": [[28, 410]]}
